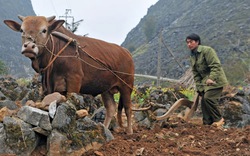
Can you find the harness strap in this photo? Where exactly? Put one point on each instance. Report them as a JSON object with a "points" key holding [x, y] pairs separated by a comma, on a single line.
{"points": [[103, 65], [50, 63], [71, 40], [63, 36]]}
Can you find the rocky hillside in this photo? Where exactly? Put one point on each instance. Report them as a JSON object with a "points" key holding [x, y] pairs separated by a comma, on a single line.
{"points": [[224, 25], [10, 42], [34, 125]]}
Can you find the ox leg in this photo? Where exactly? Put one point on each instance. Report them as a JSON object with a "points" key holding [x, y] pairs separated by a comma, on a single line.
{"points": [[110, 105], [125, 102], [74, 83], [59, 85]]}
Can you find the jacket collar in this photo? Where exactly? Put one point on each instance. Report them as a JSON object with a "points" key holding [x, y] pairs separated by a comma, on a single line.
{"points": [[196, 50]]}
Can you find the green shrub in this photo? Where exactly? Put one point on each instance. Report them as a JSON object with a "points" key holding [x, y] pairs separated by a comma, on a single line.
{"points": [[23, 82], [188, 93], [3, 68]]}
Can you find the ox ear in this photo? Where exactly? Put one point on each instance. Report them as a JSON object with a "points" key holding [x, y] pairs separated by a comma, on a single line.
{"points": [[49, 19], [13, 25], [55, 25]]}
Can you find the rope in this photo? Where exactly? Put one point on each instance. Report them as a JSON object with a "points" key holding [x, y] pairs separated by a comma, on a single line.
{"points": [[50, 63], [103, 65], [77, 52], [70, 56], [105, 68]]}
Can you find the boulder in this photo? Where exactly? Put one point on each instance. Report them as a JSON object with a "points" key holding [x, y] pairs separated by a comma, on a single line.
{"points": [[35, 116]]}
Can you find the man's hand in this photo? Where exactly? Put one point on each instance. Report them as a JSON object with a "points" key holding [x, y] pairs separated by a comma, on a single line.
{"points": [[210, 82]]}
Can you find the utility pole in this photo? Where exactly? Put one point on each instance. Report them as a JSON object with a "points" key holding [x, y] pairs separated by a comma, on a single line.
{"points": [[159, 61], [171, 52], [66, 17], [74, 25]]}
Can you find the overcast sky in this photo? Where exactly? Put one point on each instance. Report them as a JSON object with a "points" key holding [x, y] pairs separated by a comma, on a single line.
{"points": [[108, 20]]}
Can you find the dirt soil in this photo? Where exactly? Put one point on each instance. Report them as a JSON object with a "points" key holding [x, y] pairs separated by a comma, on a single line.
{"points": [[179, 138]]}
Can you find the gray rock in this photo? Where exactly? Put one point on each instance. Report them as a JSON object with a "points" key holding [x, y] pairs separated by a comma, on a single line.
{"points": [[99, 115], [20, 138], [8, 103], [2, 139], [52, 109], [35, 117], [107, 133], [87, 102], [160, 111], [145, 123], [57, 144], [2, 96], [41, 131], [75, 136], [139, 116], [245, 120], [64, 120], [85, 124]]}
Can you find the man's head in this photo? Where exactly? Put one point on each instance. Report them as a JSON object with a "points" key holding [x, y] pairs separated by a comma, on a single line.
{"points": [[193, 40]]}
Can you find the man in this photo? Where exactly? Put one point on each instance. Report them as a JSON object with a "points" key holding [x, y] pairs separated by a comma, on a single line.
{"points": [[209, 78]]}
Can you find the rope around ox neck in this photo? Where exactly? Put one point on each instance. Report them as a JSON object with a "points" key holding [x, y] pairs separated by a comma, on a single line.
{"points": [[57, 55]]}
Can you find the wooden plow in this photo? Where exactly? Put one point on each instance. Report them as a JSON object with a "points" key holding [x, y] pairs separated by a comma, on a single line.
{"points": [[191, 108]]}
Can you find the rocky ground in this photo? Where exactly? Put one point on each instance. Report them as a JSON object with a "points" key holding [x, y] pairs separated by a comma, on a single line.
{"points": [[172, 136], [177, 137]]}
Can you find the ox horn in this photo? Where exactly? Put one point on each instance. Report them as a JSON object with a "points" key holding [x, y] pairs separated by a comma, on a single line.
{"points": [[176, 105], [51, 18], [21, 17]]}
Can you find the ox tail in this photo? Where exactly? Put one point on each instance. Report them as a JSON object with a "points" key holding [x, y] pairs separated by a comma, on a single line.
{"points": [[119, 112]]}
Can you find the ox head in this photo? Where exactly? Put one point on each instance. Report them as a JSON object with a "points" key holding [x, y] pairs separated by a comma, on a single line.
{"points": [[35, 32]]}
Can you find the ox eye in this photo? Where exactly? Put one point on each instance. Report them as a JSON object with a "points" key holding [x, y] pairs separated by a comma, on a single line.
{"points": [[44, 31]]}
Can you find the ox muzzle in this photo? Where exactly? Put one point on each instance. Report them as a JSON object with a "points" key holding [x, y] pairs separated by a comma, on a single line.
{"points": [[30, 50]]}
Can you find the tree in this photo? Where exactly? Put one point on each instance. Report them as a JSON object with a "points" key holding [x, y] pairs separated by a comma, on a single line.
{"points": [[3, 68]]}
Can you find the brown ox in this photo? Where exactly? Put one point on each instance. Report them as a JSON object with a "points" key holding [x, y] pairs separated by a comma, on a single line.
{"points": [[84, 65]]}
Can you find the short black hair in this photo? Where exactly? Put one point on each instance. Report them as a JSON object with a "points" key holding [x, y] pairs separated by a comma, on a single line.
{"points": [[194, 37]]}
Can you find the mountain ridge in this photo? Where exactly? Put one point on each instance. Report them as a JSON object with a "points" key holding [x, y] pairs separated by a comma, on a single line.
{"points": [[10, 45], [223, 25]]}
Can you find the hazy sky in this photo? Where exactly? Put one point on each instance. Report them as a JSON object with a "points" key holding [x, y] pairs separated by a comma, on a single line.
{"points": [[108, 20]]}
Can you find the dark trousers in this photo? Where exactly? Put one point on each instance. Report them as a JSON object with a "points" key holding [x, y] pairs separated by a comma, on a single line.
{"points": [[210, 106]]}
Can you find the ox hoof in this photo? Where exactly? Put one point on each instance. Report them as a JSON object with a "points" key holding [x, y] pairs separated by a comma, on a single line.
{"points": [[118, 129]]}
